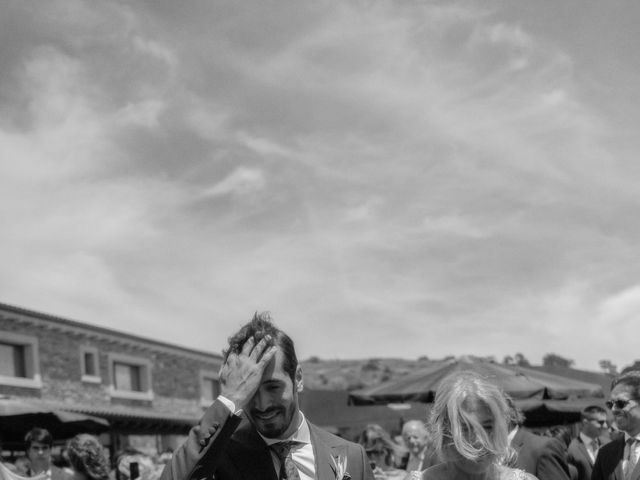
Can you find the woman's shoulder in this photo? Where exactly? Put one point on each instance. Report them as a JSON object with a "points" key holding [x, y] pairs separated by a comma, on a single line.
{"points": [[508, 473]]}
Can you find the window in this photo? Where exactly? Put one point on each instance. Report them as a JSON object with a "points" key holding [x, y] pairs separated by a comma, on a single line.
{"points": [[89, 365], [130, 377], [127, 377], [19, 361], [12, 362], [209, 387]]}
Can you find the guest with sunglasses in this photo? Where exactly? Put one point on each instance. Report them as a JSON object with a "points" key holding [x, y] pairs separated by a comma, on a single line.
{"points": [[584, 448], [619, 458]]}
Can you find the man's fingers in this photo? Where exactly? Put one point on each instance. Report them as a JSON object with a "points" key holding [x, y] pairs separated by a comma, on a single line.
{"points": [[248, 346], [268, 355], [259, 348]]}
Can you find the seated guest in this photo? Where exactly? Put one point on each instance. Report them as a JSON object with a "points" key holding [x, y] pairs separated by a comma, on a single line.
{"points": [[416, 438], [469, 431], [132, 464], [88, 458], [38, 443], [382, 452]]}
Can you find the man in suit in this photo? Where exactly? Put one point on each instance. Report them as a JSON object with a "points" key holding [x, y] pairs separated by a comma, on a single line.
{"points": [[543, 457], [255, 429], [583, 449], [416, 438], [618, 459], [38, 443]]}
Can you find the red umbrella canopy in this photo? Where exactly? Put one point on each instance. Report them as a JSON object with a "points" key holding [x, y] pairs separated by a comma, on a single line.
{"points": [[518, 382]]}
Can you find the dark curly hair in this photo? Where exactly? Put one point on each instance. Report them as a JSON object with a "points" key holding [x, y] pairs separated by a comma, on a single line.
{"points": [[88, 457], [261, 325]]}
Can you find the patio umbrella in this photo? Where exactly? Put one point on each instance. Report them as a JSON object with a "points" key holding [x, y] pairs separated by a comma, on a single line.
{"points": [[518, 382], [18, 417]]}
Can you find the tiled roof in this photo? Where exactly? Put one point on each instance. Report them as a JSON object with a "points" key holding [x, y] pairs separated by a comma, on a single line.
{"points": [[100, 330]]}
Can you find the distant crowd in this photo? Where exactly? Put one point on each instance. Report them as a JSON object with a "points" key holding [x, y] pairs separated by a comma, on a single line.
{"points": [[82, 458], [255, 429]]}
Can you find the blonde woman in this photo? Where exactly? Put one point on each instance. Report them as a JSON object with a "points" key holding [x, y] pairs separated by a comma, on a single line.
{"points": [[469, 430]]}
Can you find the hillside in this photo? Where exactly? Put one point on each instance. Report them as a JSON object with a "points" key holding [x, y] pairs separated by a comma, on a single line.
{"points": [[320, 374], [353, 374]]}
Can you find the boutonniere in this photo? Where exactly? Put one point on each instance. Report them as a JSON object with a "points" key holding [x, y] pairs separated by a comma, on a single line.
{"points": [[340, 467]]}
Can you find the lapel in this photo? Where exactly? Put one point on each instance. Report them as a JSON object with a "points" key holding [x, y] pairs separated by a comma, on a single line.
{"points": [[251, 456], [325, 455], [617, 473], [585, 451], [635, 474]]}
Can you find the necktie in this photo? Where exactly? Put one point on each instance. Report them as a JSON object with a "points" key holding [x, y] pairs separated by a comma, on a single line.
{"points": [[288, 469], [630, 457], [594, 447]]}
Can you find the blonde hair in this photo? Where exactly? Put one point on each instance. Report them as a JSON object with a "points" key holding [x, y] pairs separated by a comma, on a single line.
{"points": [[88, 456], [453, 425]]}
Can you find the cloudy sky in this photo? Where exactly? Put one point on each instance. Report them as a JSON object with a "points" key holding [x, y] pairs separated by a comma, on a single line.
{"points": [[396, 178]]}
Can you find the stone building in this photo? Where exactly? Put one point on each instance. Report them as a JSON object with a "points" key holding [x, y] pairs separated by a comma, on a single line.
{"points": [[149, 392]]}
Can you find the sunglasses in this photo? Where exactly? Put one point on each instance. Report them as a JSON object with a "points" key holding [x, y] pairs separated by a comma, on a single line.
{"points": [[619, 404], [602, 423]]}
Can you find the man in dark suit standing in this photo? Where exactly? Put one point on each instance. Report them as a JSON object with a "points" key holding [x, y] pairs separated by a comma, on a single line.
{"points": [[38, 443], [618, 460], [255, 429], [543, 457], [583, 449]]}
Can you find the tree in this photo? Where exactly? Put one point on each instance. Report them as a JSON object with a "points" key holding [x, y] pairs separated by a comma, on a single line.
{"points": [[521, 361], [608, 367], [555, 360], [508, 360]]}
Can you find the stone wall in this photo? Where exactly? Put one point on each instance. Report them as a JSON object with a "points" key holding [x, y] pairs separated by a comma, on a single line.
{"points": [[175, 372]]}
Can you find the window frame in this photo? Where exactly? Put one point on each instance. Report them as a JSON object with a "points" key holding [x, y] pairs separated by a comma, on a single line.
{"points": [[31, 361], [84, 349], [145, 377]]}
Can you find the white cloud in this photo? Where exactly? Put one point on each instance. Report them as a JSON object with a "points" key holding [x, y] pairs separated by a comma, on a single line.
{"points": [[621, 309], [455, 225], [241, 181], [359, 165]]}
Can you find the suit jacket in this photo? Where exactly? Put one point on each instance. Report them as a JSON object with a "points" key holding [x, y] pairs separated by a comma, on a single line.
{"points": [[543, 457], [608, 465], [236, 451], [578, 455], [429, 458]]}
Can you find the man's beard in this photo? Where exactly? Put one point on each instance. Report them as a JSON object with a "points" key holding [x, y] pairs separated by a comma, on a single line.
{"points": [[276, 429]]}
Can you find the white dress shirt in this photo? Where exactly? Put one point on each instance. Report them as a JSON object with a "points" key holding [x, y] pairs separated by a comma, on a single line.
{"points": [[631, 455], [302, 456], [588, 442]]}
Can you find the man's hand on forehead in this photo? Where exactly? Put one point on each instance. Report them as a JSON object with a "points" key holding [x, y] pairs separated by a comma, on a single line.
{"points": [[241, 374]]}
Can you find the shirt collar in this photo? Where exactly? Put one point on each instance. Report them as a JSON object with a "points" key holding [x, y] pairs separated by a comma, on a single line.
{"points": [[586, 439], [627, 437], [302, 433]]}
